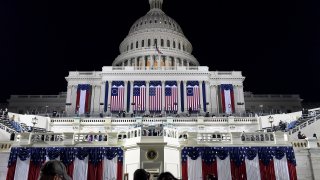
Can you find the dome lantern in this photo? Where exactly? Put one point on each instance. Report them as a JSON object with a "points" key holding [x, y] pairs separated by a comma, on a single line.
{"points": [[155, 4]]}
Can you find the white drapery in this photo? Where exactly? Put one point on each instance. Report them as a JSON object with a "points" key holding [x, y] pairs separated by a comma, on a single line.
{"points": [[224, 168], [195, 169], [253, 169], [80, 169], [281, 168], [227, 100], [110, 168], [22, 169], [82, 102]]}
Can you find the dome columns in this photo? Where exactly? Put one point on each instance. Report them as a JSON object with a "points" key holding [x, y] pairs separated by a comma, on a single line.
{"points": [[156, 62], [155, 4]]}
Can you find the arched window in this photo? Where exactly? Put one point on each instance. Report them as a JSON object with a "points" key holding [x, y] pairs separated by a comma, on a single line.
{"points": [[137, 44], [142, 43], [127, 47], [168, 43], [149, 42], [179, 46], [162, 43], [131, 47], [183, 47], [155, 42], [174, 44]]}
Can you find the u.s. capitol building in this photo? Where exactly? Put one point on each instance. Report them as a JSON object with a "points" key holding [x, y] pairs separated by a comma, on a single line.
{"points": [[155, 73], [151, 104]]}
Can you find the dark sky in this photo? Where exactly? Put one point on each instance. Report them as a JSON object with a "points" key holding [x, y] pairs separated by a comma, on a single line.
{"points": [[274, 43]]}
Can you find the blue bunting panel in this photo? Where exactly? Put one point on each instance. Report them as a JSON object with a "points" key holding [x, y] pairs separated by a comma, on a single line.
{"points": [[238, 154], [66, 154]]}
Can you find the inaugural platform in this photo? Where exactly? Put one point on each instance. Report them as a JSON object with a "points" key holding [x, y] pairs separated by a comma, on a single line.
{"points": [[158, 109]]}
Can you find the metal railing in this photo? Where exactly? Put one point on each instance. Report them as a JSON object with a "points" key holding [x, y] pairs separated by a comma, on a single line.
{"points": [[304, 124], [7, 129]]}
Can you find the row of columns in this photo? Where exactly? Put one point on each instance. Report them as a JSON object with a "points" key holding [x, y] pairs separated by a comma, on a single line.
{"points": [[98, 97], [156, 60], [163, 95]]}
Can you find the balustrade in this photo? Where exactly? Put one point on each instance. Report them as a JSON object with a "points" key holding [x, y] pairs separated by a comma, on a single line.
{"points": [[5, 146], [257, 137]]}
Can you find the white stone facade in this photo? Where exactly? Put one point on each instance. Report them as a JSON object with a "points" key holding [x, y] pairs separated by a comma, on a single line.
{"points": [[272, 103], [97, 80], [37, 104]]}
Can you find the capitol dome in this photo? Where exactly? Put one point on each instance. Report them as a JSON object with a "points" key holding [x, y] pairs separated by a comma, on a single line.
{"points": [[156, 42], [155, 18]]}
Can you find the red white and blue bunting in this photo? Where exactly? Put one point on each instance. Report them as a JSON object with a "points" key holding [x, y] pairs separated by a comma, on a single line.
{"points": [[83, 101], [229, 163], [81, 163], [227, 98]]}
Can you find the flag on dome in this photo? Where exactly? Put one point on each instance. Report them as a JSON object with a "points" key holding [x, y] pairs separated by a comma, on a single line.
{"points": [[157, 49]]}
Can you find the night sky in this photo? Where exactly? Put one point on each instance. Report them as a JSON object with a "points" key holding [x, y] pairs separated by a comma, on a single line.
{"points": [[274, 43]]}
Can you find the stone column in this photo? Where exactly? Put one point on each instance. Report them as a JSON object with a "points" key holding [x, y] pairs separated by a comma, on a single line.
{"points": [[201, 96], [179, 96], [135, 63], [102, 96], [96, 99], [163, 86], [159, 64], [125, 95], [147, 97], [131, 96], [69, 90], [236, 98], [175, 62], [165, 62], [214, 99], [73, 99], [241, 99], [152, 62], [209, 109], [143, 62], [93, 93], [109, 95], [69, 99], [185, 96]]}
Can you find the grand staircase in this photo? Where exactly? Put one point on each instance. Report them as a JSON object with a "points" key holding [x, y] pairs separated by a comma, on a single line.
{"points": [[308, 127]]}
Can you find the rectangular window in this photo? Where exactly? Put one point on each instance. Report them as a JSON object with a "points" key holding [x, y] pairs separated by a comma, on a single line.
{"points": [[142, 43], [162, 43], [149, 42]]}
